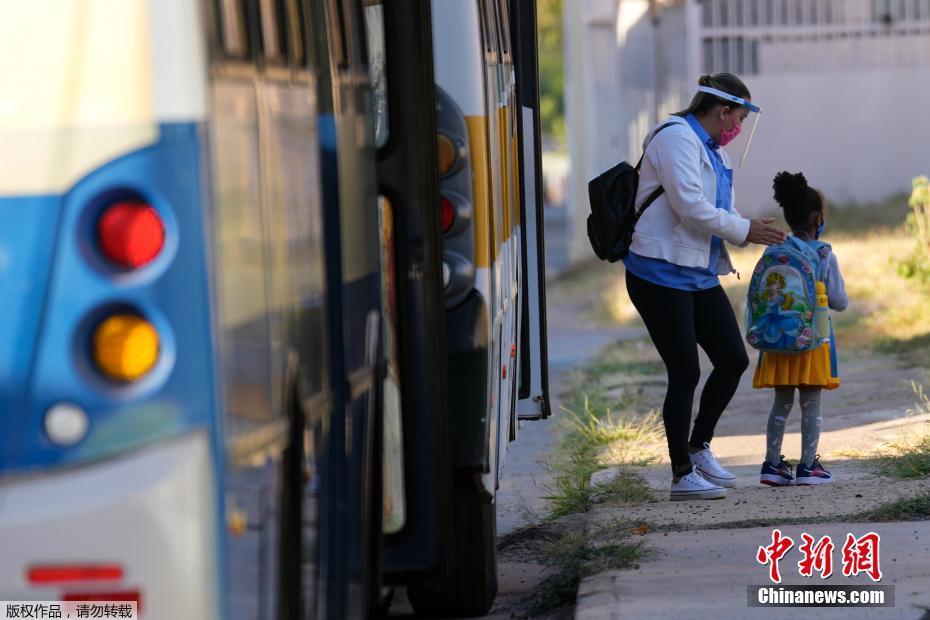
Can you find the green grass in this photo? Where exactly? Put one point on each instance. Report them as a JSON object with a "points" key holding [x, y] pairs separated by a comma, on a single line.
{"points": [[578, 554], [598, 425], [627, 488], [910, 461], [908, 509], [627, 440], [571, 490]]}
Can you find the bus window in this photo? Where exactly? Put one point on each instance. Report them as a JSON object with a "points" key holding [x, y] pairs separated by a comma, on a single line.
{"points": [[233, 28], [490, 38], [274, 31], [504, 21], [319, 48], [374, 24], [296, 26]]}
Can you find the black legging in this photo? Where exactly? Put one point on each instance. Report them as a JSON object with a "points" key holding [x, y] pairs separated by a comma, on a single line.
{"points": [[678, 321]]}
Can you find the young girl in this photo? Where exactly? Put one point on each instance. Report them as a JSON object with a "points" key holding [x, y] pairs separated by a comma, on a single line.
{"points": [[808, 372]]}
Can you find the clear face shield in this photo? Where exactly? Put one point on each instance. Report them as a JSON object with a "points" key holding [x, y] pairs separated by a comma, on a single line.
{"points": [[746, 117]]}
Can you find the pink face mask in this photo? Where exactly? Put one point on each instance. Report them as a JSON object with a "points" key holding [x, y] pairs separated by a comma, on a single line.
{"points": [[729, 135]]}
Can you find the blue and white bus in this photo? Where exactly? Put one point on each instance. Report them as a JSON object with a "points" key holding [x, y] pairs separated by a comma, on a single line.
{"points": [[263, 349]]}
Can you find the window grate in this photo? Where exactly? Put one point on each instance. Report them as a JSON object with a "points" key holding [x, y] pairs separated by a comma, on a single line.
{"points": [[813, 36]]}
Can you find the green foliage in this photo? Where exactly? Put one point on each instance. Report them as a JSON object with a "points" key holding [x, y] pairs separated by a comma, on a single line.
{"points": [[551, 73], [917, 265]]}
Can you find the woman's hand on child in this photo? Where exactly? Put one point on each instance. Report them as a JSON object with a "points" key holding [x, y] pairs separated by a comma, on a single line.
{"points": [[762, 232]]}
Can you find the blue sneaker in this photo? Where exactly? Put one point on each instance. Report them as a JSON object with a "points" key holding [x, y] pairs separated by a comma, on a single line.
{"points": [[776, 475], [813, 473]]}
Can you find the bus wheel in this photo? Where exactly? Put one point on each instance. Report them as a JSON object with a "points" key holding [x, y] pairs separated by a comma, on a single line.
{"points": [[473, 584]]}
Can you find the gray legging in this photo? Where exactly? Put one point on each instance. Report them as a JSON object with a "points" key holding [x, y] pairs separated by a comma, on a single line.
{"points": [[810, 423]]}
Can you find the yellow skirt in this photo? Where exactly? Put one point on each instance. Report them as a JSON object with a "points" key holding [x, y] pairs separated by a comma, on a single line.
{"points": [[809, 369]]}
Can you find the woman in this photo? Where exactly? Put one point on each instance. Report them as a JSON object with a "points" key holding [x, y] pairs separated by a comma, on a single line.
{"points": [[675, 258]]}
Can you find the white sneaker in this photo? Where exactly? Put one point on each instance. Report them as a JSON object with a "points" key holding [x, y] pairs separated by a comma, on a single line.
{"points": [[705, 462], [693, 486]]}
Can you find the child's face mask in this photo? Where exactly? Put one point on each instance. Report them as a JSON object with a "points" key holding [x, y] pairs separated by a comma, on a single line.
{"points": [[820, 228]]}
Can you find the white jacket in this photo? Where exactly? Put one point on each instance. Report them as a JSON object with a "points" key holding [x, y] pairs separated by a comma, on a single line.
{"points": [[678, 226]]}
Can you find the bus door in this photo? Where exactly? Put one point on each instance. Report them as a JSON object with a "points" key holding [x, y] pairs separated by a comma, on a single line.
{"points": [[255, 431], [401, 43], [534, 402], [353, 283]]}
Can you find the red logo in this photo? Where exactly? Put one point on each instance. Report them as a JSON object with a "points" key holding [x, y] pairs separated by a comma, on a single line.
{"points": [[817, 557], [773, 553], [860, 555]]}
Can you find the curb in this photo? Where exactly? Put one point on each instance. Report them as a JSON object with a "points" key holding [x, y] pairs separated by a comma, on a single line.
{"points": [[598, 597]]}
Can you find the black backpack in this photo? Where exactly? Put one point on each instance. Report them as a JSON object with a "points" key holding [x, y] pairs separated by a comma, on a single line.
{"points": [[613, 216]]}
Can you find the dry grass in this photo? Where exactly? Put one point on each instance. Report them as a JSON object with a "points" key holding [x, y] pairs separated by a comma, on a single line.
{"points": [[909, 457]]}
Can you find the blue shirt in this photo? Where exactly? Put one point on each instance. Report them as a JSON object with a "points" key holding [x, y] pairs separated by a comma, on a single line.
{"points": [[663, 273]]}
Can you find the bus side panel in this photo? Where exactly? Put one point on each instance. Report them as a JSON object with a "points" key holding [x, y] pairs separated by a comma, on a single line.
{"points": [[407, 172]]}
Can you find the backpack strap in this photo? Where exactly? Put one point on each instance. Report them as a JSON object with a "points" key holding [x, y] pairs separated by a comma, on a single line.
{"points": [[640, 162], [657, 191]]}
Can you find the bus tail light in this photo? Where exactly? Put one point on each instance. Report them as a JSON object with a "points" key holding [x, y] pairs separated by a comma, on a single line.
{"points": [[130, 233], [70, 573], [125, 347], [457, 225], [446, 214], [446, 153]]}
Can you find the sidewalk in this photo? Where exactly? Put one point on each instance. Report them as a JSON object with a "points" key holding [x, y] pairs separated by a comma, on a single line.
{"points": [[704, 574]]}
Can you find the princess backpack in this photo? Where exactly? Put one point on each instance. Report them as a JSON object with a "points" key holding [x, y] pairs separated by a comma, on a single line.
{"points": [[786, 303]]}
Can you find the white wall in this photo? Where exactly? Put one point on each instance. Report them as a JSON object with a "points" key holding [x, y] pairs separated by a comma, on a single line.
{"points": [[592, 93], [636, 53], [610, 91], [858, 137]]}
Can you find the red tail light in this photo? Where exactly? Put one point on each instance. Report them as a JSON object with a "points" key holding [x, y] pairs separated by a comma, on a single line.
{"points": [[68, 573], [446, 214], [130, 233]]}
